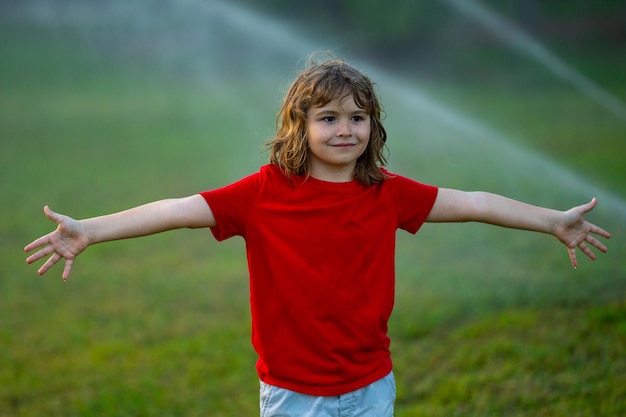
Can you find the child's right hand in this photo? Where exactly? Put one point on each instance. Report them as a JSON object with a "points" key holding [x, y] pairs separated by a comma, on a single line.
{"points": [[67, 241]]}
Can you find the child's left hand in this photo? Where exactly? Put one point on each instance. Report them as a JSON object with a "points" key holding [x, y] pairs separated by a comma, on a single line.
{"points": [[575, 232]]}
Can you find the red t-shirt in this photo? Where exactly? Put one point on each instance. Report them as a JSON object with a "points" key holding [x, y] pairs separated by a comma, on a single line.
{"points": [[321, 263]]}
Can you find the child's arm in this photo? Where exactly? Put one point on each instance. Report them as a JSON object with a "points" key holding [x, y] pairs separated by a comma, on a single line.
{"points": [[71, 237], [568, 226]]}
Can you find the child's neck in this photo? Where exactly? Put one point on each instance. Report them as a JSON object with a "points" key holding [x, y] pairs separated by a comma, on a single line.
{"points": [[341, 174]]}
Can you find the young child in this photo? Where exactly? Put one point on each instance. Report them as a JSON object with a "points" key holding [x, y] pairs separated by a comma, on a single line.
{"points": [[319, 222]]}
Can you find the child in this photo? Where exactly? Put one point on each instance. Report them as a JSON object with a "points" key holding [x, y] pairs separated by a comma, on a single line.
{"points": [[319, 222]]}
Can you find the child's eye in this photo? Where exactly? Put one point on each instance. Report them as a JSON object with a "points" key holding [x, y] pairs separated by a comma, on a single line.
{"points": [[357, 118], [328, 118]]}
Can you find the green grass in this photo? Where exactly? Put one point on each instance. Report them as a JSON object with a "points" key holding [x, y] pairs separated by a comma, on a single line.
{"points": [[518, 362], [488, 322]]}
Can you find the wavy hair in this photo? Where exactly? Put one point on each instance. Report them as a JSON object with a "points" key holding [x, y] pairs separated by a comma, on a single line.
{"points": [[318, 84]]}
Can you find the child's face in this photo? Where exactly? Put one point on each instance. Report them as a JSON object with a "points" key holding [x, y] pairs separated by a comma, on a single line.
{"points": [[338, 133]]}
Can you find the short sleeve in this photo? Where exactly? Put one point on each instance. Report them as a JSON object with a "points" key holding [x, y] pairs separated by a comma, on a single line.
{"points": [[413, 201], [231, 206]]}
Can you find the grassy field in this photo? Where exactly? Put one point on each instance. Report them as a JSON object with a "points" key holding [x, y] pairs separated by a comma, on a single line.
{"points": [[488, 322]]}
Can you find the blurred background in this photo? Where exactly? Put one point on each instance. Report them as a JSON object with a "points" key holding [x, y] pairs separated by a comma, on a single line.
{"points": [[107, 105]]}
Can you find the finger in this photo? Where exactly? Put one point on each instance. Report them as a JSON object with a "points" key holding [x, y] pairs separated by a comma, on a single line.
{"points": [[49, 263], [68, 268], [44, 240], [599, 231], [585, 249], [572, 256], [52, 215], [39, 254], [596, 243], [586, 208]]}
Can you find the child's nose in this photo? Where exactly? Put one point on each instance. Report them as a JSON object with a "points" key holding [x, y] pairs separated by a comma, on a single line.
{"points": [[343, 129]]}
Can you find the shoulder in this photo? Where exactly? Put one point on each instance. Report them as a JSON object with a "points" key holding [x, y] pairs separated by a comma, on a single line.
{"points": [[271, 171], [272, 174], [266, 173], [392, 178], [403, 186]]}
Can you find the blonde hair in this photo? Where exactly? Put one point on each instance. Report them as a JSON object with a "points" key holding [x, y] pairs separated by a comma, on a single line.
{"points": [[315, 86]]}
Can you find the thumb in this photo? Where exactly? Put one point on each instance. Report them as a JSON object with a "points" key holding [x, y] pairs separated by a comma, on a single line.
{"points": [[586, 208], [52, 215]]}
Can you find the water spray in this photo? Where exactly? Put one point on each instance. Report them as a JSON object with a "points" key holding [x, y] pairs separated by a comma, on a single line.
{"points": [[288, 47], [524, 43]]}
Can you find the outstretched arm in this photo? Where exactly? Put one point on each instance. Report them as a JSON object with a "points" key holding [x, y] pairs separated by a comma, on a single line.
{"points": [[72, 237], [567, 226]]}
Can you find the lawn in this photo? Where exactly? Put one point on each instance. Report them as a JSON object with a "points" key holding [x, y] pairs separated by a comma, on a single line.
{"points": [[488, 322]]}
